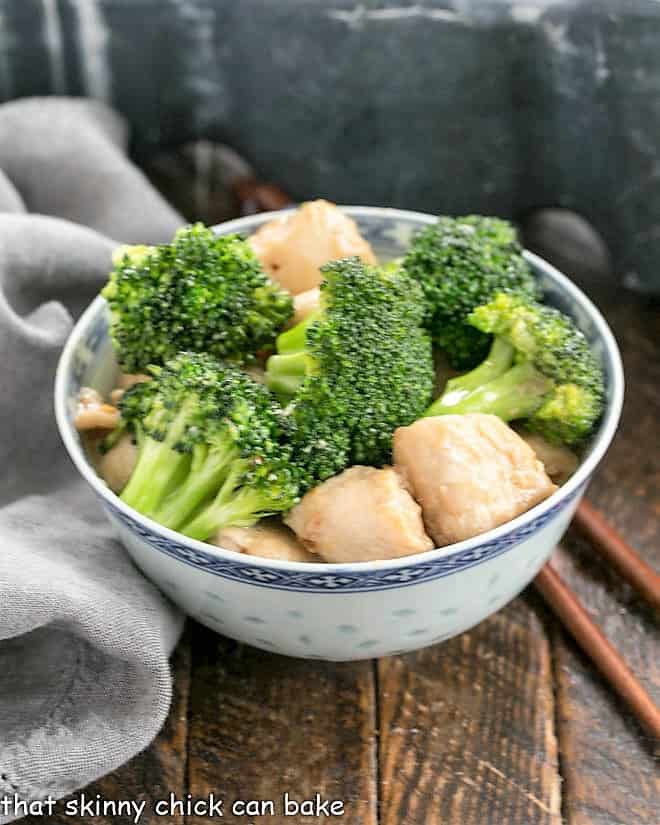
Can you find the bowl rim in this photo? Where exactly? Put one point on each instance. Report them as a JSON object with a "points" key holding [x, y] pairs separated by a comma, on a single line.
{"points": [[566, 492]]}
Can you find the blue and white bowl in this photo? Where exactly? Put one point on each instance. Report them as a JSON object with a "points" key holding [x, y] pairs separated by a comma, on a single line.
{"points": [[343, 611]]}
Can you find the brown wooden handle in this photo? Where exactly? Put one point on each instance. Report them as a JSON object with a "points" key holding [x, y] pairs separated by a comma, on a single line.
{"points": [[612, 546], [590, 638]]}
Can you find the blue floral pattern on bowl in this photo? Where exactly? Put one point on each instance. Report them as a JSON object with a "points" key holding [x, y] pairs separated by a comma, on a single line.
{"points": [[351, 581]]}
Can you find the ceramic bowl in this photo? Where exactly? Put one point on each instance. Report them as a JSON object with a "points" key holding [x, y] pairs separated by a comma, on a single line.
{"points": [[343, 611]]}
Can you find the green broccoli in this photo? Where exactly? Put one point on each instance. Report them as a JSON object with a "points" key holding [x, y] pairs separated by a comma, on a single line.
{"points": [[135, 403], [540, 368], [133, 406], [462, 263], [202, 292], [212, 448], [356, 369]]}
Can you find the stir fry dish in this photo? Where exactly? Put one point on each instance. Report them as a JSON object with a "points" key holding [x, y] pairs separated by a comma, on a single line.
{"points": [[289, 396]]}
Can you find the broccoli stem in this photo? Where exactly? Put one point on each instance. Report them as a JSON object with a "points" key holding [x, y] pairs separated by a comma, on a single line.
{"points": [[496, 363], [159, 467], [230, 508], [209, 468], [516, 393], [285, 373], [295, 339]]}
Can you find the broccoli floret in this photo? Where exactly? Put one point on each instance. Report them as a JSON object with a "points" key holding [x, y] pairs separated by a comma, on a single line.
{"points": [[136, 254], [321, 435], [356, 369], [540, 368], [202, 293], [133, 406], [462, 263], [213, 450], [135, 403]]}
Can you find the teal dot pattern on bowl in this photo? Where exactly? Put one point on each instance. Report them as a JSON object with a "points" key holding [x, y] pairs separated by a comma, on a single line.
{"points": [[418, 631], [347, 629]]}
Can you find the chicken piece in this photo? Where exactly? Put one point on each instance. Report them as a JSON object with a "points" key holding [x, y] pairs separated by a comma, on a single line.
{"points": [[363, 514], [127, 379], [268, 539], [117, 465], [470, 473], [93, 413], [304, 304], [560, 463], [293, 247]]}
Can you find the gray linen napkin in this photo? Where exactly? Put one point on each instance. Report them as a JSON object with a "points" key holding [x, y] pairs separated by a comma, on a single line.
{"points": [[84, 638]]}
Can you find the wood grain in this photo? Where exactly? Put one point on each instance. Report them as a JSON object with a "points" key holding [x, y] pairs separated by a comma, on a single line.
{"points": [[611, 775], [467, 728], [617, 552], [603, 655], [154, 773], [262, 724]]}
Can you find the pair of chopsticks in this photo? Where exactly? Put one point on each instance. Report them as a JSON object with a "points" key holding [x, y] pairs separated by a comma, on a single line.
{"points": [[254, 196], [579, 624]]}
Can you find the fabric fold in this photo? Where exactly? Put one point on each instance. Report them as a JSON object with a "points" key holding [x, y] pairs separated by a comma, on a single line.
{"points": [[84, 637]]}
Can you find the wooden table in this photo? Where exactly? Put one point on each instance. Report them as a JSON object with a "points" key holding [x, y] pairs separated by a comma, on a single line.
{"points": [[505, 725]]}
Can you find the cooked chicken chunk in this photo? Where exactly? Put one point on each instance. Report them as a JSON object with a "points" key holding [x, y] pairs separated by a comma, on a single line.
{"points": [[127, 379], [116, 466], [470, 473], [93, 413], [270, 540], [560, 463], [304, 304], [362, 514], [293, 247]]}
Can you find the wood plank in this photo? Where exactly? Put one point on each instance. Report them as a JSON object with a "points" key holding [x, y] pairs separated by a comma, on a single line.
{"points": [[467, 727], [610, 772], [154, 773], [262, 724]]}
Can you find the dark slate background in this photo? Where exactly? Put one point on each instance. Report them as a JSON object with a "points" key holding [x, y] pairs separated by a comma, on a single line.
{"points": [[457, 106]]}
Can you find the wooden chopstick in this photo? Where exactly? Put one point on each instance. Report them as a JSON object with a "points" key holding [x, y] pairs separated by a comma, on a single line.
{"points": [[611, 545], [587, 634]]}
